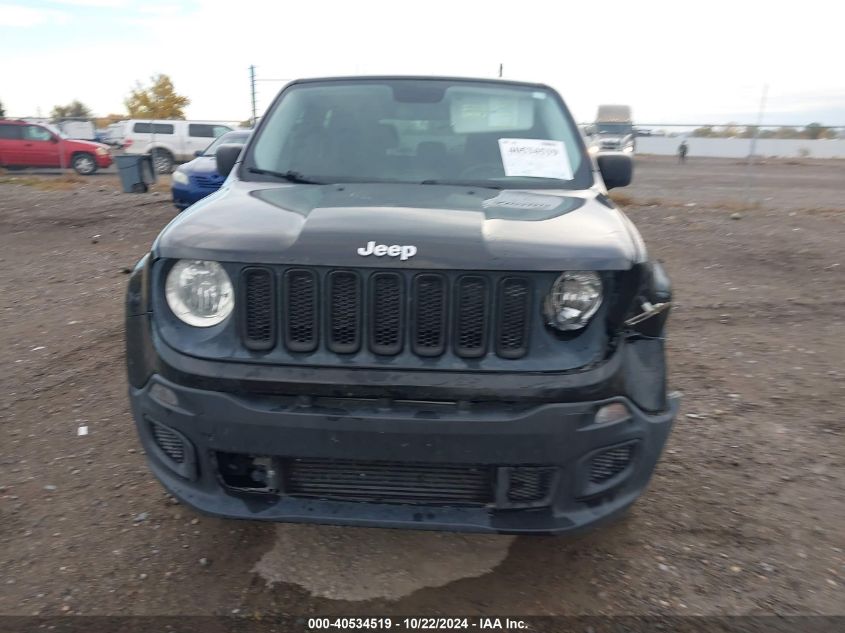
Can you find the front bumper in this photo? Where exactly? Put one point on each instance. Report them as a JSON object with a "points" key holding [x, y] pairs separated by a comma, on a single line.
{"points": [[559, 437], [431, 431], [186, 195]]}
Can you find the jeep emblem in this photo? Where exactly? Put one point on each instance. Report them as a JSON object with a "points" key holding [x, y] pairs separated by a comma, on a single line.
{"points": [[394, 250]]}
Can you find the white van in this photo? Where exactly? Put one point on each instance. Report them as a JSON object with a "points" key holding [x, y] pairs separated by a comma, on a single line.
{"points": [[170, 142], [115, 133], [81, 129]]}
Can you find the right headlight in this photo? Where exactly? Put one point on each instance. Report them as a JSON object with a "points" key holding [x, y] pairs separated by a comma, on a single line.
{"points": [[199, 292], [573, 300], [181, 177]]}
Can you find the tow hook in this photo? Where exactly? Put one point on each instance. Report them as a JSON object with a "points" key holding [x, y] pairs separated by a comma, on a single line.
{"points": [[649, 310]]}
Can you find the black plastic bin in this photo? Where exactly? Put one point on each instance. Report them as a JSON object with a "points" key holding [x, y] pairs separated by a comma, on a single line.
{"points": [[136, 172]]}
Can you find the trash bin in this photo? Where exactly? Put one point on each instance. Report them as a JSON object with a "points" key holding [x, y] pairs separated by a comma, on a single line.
{"points": [[136, 172]]}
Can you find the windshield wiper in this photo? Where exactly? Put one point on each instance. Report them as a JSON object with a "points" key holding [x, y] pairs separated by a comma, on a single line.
{"points": [[462, 183], [290, 176]]}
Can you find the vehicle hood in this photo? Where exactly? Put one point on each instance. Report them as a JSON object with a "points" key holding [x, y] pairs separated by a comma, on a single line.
{"points": [[450, 227], [201, 165], [79, 144]]}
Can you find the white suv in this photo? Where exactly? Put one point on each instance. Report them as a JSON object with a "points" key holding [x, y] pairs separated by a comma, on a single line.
{"points": [[170, 142]]}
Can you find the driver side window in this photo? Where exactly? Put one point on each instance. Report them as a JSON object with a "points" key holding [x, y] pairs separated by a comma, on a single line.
{"points": [[36, 133]]}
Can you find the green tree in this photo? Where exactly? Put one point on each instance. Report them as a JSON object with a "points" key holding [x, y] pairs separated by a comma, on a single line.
{"points": [[75, 109], [705, 132], [814, 131], [105, 121], [157, 101], [729, 131], [2, 110], [787, 132]]}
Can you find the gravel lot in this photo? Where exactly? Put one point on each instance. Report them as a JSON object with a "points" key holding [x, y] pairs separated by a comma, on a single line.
{"points": [[745, 513]]}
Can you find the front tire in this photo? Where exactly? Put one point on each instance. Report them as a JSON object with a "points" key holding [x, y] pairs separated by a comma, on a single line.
{"points": [[163, 161], [84, 164]]}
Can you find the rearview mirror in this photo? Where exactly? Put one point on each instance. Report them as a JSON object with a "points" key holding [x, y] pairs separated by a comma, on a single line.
{"points": [[617, 170], [226, 156]]}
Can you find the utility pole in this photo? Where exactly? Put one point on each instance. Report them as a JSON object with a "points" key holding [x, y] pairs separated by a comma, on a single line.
{"points": [[501, 68], [252, 91], [753, 147]]}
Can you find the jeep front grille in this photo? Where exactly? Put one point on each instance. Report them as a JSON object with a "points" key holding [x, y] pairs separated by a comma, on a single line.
{"points": [[386, 308], [259, 325], [347, 311], [471, 324], [300, 310], [429, 307]]}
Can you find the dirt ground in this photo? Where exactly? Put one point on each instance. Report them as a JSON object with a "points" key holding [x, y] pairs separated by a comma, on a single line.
{"points": [[745, 513]]}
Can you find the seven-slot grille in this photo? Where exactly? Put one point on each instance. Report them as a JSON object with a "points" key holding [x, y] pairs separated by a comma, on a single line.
{"points": [[347, 310]]}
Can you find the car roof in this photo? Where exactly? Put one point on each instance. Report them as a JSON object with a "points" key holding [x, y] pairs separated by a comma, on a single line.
{"points": [[17, 122], [489, 80], [206, 121]]}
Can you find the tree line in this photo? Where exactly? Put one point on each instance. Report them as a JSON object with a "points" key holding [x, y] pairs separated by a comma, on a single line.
{"points": [[812, 131], [156, 100]]}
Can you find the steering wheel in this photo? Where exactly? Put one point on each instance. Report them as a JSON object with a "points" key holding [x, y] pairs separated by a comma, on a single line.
{"points": [[483, 170]]}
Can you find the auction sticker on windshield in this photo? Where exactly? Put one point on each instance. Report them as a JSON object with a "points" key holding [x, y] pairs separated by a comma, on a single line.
{"points": [[535, 158]]}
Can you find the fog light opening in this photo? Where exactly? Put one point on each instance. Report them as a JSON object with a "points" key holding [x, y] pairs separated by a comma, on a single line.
{"points": [[249, 473], [164, 395], [612, 413]]}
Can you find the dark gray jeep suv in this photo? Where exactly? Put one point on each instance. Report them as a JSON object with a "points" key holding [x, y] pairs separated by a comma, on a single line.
{"points": [[412, 304]]}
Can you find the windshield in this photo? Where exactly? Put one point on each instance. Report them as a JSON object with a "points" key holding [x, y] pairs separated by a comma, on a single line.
{"points": [[420, 131], [614, 128], [228, 137]]}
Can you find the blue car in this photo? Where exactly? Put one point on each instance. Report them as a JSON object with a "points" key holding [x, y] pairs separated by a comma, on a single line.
{"points": [[195, 180]]}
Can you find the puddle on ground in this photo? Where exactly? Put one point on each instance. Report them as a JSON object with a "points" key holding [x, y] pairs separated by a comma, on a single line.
{"points": [[344, 563]]}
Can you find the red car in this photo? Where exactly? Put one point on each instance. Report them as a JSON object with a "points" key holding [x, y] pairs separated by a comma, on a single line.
{"points": [[25, 144]]}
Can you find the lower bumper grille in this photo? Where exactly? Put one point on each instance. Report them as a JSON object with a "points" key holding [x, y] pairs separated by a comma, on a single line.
{"points": [[610, 463], [168, 441], [406, 483], [389, 482], [530, 484]]}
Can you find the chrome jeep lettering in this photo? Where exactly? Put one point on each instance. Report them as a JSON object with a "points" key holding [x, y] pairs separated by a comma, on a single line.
{"points": [[394, 250]]}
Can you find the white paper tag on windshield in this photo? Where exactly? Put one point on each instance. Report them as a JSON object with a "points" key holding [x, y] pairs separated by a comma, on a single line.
{"points": [[535, 158]]}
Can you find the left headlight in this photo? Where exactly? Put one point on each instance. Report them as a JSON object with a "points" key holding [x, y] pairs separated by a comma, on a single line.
{"points": [[199, 292], [574, 299], [181, 177], [102, 151]]}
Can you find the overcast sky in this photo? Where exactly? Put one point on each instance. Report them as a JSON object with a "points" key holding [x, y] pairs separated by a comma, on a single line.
{"points": [[672, 61]]}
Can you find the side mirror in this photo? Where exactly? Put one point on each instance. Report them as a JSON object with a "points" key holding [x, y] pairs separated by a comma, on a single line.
{"points": [[227, 156], [198, 153], [617, 170], [54, 139]]}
